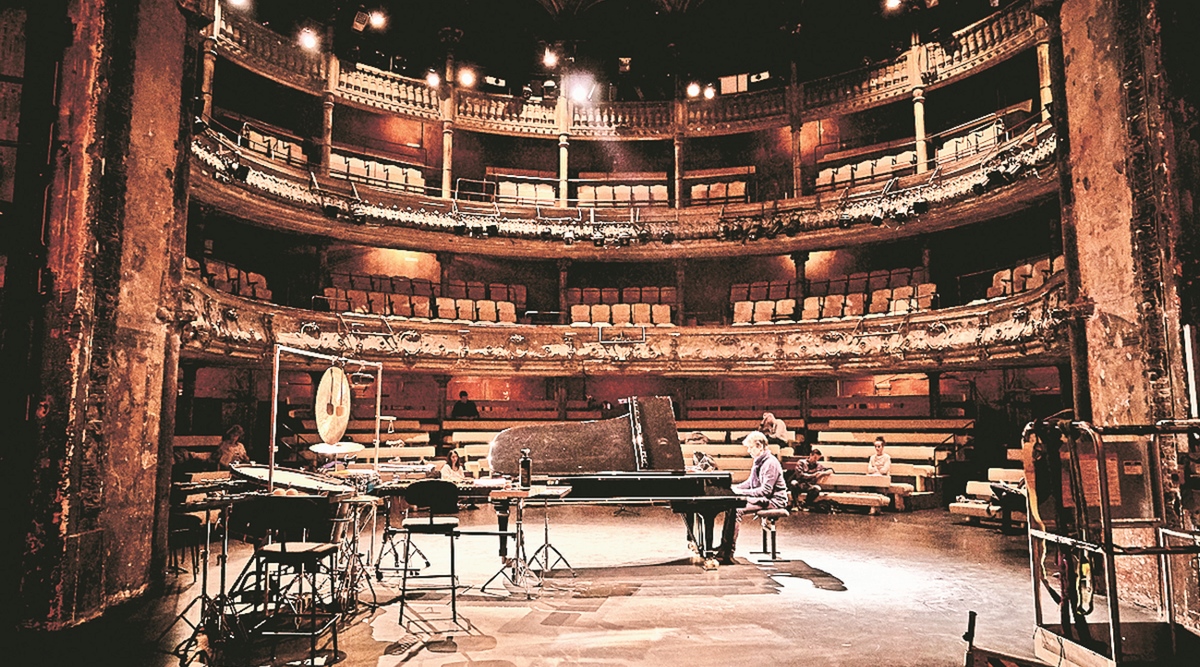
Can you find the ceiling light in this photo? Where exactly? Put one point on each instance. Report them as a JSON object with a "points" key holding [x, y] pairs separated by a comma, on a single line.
{"points": [[432, 79], [238, 3], [550, 58], [378, 19], [709, 92], [892, 5], [308, 39], [466, 77], [693, 89]]}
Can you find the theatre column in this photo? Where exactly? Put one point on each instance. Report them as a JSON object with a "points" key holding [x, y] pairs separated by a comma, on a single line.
{"points": [[799, 259], [922, 143], [680, 276], [563, 143], [563, 307], [332, 71], [209, 62], [107, 217]]}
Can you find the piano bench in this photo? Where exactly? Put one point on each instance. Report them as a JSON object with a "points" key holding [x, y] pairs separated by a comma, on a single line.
{"points": [[768, 517]]}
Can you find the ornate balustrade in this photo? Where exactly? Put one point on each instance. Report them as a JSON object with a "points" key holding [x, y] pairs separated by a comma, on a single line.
{"points": [[1022, 329], [730, 113], [265, 51], [980, 45], [503, 113], [623, 119], [384, 90]]}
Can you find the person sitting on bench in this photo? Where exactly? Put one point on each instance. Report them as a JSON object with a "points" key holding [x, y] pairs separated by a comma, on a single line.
{"points": [[775, 430], [806, 478], [880, 463]]}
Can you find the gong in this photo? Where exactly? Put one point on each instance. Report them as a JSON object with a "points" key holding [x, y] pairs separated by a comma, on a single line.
{"points": [[332, 407]]}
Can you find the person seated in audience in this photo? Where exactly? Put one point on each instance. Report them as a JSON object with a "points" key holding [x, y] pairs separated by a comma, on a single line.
{"points": [[775, 430], [806, 478], [464, 408], [880, 463], [453, 470], [764, 489], [231, 450], [702, 461]]}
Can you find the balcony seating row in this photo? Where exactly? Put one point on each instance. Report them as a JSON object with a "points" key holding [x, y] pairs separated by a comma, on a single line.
{"points": [[621, 314], [386, 284], [275, 148], [527, 194], [228, 278], [901, 300], [612, 295], [1006, 282], [420, 307], [382, 174], [956, 148], [623, 195], [861, 282], [472, 289], [718, 193], [867, 170]]}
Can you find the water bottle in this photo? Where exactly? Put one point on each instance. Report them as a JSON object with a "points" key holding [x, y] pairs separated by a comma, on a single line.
{"points": [[526, 465]]}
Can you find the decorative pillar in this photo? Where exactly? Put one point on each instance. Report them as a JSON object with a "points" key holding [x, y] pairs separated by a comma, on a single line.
{"points": [[678, 185], [563, 142], [680, 275], [332, 71], [449, 109], [563, 308], [935, 393], [1045, 96], [799, 259], [919, 127], [208, 49], [443, 381]]}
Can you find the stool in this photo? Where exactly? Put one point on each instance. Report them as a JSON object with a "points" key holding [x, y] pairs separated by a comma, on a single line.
{"points": [[305, 561], [768, 517]]}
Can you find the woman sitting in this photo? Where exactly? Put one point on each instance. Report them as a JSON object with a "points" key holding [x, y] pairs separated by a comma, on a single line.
{"points": [[453, 469]]}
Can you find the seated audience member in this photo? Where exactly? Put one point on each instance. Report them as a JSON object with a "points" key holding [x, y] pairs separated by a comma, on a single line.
{"points": [[231, 450], [763, 489], [453, 469], [880, 463], [806, 478], [464, 408], [775, 430], [702, 461]]}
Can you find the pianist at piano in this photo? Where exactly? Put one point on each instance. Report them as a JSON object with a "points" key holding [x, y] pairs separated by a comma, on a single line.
{"points": [[765, 488]]}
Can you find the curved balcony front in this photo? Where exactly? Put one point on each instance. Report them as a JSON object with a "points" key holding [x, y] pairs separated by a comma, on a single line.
{"points": [[1021, 330]]}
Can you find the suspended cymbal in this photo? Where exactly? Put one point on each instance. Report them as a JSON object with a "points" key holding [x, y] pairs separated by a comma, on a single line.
{"points": [[336, 449], [332, 407]]}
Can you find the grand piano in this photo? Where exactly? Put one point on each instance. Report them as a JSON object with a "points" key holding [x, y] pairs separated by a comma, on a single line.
{"points": [[633, 459]]}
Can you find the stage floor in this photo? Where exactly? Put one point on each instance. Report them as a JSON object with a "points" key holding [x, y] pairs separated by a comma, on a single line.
{"points": [[858, 591]]}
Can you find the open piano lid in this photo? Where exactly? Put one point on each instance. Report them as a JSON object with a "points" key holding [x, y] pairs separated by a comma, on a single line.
{"points": [[644, 439]]}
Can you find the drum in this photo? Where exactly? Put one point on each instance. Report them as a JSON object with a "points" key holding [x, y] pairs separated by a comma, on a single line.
{"points": [[292, 479], [363, 480]]}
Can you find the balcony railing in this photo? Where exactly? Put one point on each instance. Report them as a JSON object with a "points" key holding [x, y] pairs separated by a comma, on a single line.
{"points": [[504, 113], [384, 90], [261, 49], [981, 44]]}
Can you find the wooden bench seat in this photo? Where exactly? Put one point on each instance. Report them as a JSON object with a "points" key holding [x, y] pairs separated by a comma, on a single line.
{"points": [[872, 501], [472, 437], [368, 437], [900, 453], [369, 425], [406, 453], [896, 491], [907, 425], [868, 437], [976, 503], [920, 474], [723, 424], [493, 425], [718, 437]]}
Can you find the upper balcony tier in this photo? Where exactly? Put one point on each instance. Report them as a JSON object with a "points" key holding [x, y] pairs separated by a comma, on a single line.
{"points": [[1016, 330], [1006, 178], [925, 66]]}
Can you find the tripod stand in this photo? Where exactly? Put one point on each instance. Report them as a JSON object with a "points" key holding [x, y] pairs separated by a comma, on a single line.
{"points": [[218, 621], [545, 551], [399, 553]]}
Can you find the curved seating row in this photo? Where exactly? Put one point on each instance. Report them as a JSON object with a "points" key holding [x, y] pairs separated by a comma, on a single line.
{"points": [[612, 295], [621, 314], [906, 299], [229, 278], [419, 307]]}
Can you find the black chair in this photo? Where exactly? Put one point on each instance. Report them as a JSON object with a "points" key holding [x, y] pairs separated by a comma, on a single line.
{"points": [[299, 552], [768, 517], [431, 501]]}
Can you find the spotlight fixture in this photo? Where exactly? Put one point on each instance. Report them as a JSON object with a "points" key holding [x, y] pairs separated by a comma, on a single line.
{"points": [[643, 236], [546, 234], [460, 229], [709, 92], [378, 19], [693, 89], [668, 237], [549, 90], [360, 21], [240, 171], [598, 239], [569, 237], [845, 221], [199, 125], [623, 238], [526, 92], [491, 230], [433, 79], [466, 77], [920, 206], [754, 232], [308, 39], [792, 228], [876, 218], [550, 58], [330, 210], [978, 188]]}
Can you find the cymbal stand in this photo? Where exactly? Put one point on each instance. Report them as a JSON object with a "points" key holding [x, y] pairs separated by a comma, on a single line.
{"points": [[388, 546], [547, 549], [352, 563], [515, 569], [215, 611]]}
